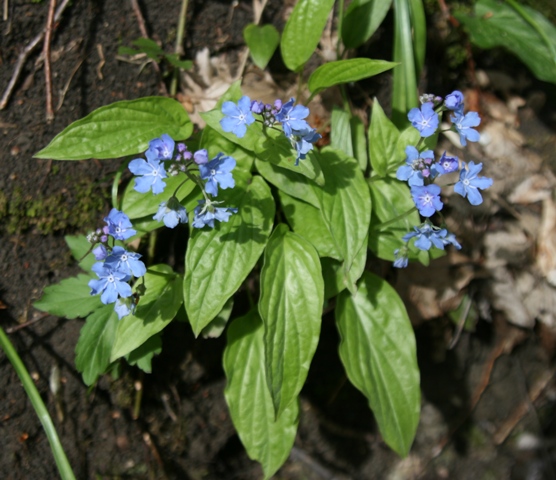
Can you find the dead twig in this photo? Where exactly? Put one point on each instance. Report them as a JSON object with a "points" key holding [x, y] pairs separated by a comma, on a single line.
{"points": [[46, 54], [24, 55], [102, 61], [64, 91]]}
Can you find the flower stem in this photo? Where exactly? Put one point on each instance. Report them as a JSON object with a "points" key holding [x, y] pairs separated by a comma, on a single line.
{"points": [[179, 45], [381, 226], [62, 462]]}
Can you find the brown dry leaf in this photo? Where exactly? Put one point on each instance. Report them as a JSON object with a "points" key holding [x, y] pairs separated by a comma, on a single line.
{"points": [[546, 246], [533, 189]]}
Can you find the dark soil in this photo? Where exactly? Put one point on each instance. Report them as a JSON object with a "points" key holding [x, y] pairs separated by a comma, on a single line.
{"points": [[183, 430]]}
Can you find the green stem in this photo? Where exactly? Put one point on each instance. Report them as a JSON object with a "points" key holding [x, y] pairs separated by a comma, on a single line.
{"points": [[57, 450], [340, 21], [179, 45], [381, 226], [115, 185]]}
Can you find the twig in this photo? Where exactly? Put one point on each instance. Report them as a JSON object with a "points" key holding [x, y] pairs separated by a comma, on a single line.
{"points": [[46, 53], [15, 328], [25, 54], [101, 63], [67, 85], [179, 44], [258, 7], [144, 34]]}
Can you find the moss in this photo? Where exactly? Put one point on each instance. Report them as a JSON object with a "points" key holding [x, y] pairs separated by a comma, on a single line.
{"points": [[78, 209]]}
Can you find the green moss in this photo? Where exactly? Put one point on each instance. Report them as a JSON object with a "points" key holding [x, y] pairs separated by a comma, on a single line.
{"points": [[78, 208]]}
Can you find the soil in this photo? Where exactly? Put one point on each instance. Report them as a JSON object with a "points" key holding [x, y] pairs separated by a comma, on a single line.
{"points": [[183, 430]]}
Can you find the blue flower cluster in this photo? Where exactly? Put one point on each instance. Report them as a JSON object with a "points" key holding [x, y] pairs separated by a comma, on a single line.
{"points": [[237, 117], [116, 267], [421, 169]]}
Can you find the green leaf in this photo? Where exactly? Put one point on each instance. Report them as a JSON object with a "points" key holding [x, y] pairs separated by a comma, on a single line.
{"points": [[287, 181], [404, 96], [215, 142], [378, 352], [156, 309], [308, 222], [218, 260], [340, 131], [142, 356], [345, 204], [215, 328], [292, 295], [523, 31], [148, 46], [268, 441], [262, 42], [358, 139], [344, 71], [138, 205], [80, 246], [361, 20], [383, 138], [419, 24], [333, 273], [95, 343], [71, 298], [174, 59], [303, 31], [390, 198], [274, 147], [122, 128]]}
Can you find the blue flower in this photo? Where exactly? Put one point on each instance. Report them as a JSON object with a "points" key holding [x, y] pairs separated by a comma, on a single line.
{"points": [[454, 101], [127, 262], [426, 236], [152, 172], [218, 172], [401, 259], [111, 283], [417, 168], [469, 183], [302, 141], [124, 306], [100, 252], [424, 119], [237, 117], [163, 147], [118, 225], [463, 123], [206, 213], [450, 239], [427, 199], [171, 213], [292, 117], [447, 164], [200, 157]]}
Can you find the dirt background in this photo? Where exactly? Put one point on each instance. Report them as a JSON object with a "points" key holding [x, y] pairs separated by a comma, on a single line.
{"points": [[488, 404]]}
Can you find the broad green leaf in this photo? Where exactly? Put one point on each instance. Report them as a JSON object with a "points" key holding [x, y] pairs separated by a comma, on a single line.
{"points": [[120, 129], [215, 328], [361, 20], [274, 147], [383, 138], [156, 309], [303, 31], [308, 222], [138, 205], [218, 260], [71, 298], [345, 204], [333, 274], [522, 30], [288, 181], [262, 42], [340, 131], [391, 199], [292, 295], [345, 71], [378, 352], [80, 249], [359, 142], [143, 355], [404, 96], [266, 440], [95, 343]]}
